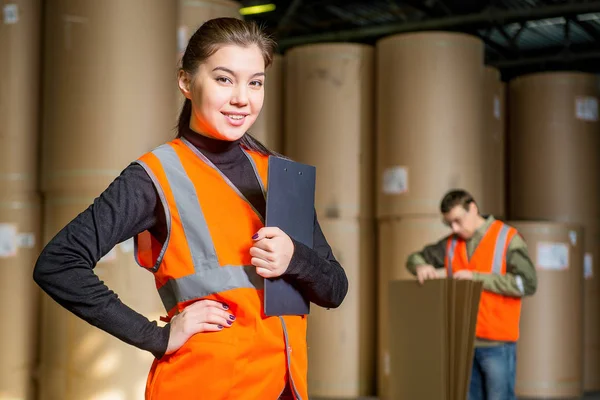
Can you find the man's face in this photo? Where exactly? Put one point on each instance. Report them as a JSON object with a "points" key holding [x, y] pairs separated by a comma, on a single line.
{"points": [[463, 222]]}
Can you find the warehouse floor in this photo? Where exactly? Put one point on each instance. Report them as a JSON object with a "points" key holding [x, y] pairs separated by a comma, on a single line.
{"points": [[591, 396]]}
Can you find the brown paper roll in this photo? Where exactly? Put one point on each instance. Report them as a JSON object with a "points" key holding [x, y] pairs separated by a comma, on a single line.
{"points": [[341, 342], [555, 147], [329, 123], [19, 248], [550, 346], [398, 238], [268, 127], [494, 132], [429, 120], [192, 14], [591, 285], [108, 88], [78, 360], [555, 117], [19, 95]]}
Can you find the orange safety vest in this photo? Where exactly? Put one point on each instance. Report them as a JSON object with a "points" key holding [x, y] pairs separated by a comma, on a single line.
{"points": [[498, 316], [206, 256]]}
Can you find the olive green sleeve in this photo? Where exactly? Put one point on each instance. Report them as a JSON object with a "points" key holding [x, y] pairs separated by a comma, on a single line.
{"points": [[520, 279], [432, 254]]}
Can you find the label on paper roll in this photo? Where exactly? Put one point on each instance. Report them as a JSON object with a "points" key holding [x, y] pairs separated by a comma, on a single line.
{"points": [[26, 240], [386, 363], [182, 38], [588, 266], [395, 180], [552, 256], [497, 107], [586, 108], [8, 240], [573, 237], [10, 13]]}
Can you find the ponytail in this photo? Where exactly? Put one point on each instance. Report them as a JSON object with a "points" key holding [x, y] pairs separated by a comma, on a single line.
{"points": [[185, 116]]}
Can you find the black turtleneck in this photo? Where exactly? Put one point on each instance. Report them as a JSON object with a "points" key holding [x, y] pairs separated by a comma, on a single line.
{"points": [[230, 159], [131, 205]]}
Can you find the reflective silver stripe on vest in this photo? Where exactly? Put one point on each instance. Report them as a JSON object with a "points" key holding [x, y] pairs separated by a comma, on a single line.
{"points": [[288, 356], [209, 282], [194, 224], [498, 257], [163, 200], [450, 255], [209, 276], [260, 181], [499, 250]]}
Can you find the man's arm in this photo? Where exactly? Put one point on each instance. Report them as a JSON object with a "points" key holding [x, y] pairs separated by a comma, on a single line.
{"points": [[520, 279], [432, 254]]}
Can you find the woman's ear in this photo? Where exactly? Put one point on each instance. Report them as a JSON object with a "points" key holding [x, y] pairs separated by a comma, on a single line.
{"points": [[184, 82]]}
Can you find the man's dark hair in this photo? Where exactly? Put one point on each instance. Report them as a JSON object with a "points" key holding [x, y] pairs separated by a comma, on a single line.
{"points": [[457, 197]]}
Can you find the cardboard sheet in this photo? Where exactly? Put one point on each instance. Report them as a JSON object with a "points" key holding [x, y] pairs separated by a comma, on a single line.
{"points": [[432, 333]]}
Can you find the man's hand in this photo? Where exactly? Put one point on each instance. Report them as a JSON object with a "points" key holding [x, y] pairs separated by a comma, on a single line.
{"points": [[464, 275], [425, 272]]}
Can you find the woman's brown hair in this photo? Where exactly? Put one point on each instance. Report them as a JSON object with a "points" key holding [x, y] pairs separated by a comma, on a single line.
{"points": [[211, 36]]}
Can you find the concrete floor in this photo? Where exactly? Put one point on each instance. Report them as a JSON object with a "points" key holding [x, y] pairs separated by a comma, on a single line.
{"points": [[591, 396]]}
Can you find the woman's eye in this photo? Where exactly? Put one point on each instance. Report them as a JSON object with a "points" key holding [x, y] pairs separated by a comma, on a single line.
{"points": [[223, 79], [256, 83]]}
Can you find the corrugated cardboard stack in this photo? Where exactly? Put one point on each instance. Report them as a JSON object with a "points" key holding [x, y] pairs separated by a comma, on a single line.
{"points": [[429, 134], [554, 143], [20, 218], [108, 98], [329, 124], [431, 357]]}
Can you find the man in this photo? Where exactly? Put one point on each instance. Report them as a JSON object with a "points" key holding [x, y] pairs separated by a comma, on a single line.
{"points": [[487, 250]]}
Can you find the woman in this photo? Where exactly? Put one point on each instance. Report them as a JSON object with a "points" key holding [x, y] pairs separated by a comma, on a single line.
{"points": [[195, 207]]}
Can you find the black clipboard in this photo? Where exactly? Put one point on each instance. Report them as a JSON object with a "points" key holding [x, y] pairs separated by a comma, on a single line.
{"points": [[291, 208]]}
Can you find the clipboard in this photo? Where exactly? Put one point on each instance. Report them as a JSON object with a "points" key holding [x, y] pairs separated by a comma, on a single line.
{"points": [[290, 207]]}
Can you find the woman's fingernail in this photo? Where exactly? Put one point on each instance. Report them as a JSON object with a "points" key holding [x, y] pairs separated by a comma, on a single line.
{"points": [[220, 326], [255, 236], [225, 306], [232, 317], [229, 322]]}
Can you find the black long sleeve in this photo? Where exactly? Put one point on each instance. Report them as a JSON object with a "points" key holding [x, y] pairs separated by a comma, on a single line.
{"points": [[131, 205], [64, 269], [316, 272]]}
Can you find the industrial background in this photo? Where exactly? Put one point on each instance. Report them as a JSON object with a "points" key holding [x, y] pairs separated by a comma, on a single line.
{"points": [[393, 101]]}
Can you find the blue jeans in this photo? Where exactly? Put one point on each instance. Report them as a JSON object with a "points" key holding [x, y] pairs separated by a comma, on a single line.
{"points": [[493, 373]]}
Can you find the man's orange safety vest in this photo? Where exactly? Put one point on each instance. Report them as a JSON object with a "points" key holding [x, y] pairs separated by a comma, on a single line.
{"points": [[206, 256], [498, 317]]}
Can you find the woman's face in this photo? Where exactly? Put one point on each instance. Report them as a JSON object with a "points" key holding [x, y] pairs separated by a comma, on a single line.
{"points": [[226, 92]]}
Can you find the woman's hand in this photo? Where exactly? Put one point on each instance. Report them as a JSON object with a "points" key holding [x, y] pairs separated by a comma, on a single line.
{"points": [[272, 252], [201, 316]]}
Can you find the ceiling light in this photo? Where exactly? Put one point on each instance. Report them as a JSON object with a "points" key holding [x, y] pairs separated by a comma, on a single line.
{"points": [[259, 9]]}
